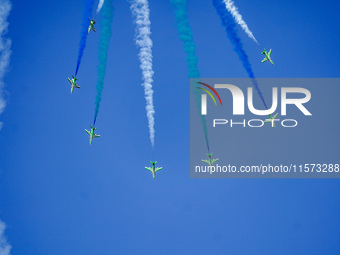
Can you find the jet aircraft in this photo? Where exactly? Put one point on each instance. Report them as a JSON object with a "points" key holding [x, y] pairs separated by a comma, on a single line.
{"points": [[91, 26], [73, 83], [92, 134], [153, 169], [210, 161], [267, 56], [271, 119]]}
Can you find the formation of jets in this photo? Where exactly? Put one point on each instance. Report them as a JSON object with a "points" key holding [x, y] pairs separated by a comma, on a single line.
{"points": [[91, 26], [153, 169], [75, 85], [210, 161], [73, 80], [267, 56], [92, 134]]}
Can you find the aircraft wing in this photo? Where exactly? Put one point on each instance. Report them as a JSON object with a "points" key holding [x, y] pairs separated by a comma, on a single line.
{"points": [[76, 85], [69, 80], [96, 135], [88, 132], [94, 29], [148, 168], [214, 160], [271, 118], [270, 52], [264, 60], [205, 161], [158, 168]]}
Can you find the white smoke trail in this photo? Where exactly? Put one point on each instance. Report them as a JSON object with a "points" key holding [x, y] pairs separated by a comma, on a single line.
{"points": [[140, 9], [5, 53], [5, 248], [5, 49], [100, 5], [238, 18]]}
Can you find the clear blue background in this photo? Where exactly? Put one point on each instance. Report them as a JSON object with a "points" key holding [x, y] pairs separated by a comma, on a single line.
{"points": [[58, 195]]}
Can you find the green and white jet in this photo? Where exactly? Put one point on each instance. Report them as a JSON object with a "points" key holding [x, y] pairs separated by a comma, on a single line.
{"points": [[153, 169], [267, 56], [210, 161], [271, 120], [92, 134], [91, 26], [73, 83]]}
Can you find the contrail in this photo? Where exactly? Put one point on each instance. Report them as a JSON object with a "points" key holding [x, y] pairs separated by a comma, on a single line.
{"points": [[237, 16], [100, 5], [5, 49], [5, 248], [185, 34], [104, 41], [83, 35], [230, 26], [140, 9]]}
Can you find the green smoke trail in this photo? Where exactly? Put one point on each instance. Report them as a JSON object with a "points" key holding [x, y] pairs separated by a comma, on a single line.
{"points": [[104, 40], [185, 34]]}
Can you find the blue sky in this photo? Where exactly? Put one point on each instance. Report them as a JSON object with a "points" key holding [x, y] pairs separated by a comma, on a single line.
{"points": [[58, 195]]}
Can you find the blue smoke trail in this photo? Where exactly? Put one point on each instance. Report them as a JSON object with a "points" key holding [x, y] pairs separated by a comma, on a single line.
{"points": [[185, 34], [230, 26], [104, 40], [83, 35]]}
